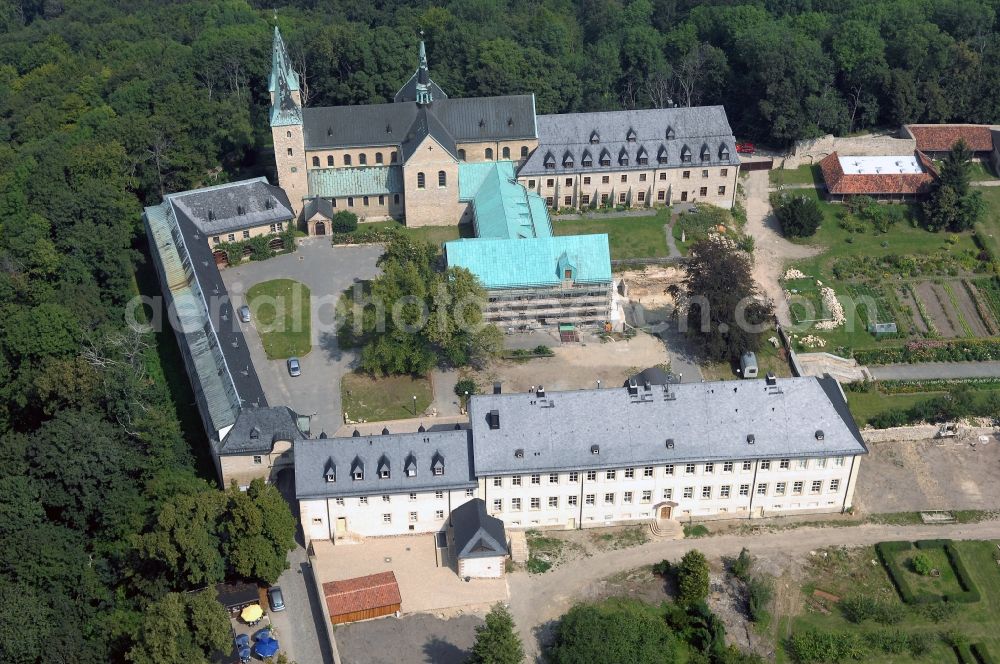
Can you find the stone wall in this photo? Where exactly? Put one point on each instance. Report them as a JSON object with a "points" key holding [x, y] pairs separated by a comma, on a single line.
{"points": [[925, 431], [812, 151], [291, 168]]}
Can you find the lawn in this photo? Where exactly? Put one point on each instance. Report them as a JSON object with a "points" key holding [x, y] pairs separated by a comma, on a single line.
{"points": [[628, 237], [847, 572], [806, 174], [988, 230], [367, 399], [866, 405], [769, 360], [281, 315]]}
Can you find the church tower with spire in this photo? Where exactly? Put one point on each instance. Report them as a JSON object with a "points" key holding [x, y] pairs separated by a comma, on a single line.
{"points": [[286, 125]]}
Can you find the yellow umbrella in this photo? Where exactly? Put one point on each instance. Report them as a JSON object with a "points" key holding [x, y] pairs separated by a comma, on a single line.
{"points": [[252, 613]]}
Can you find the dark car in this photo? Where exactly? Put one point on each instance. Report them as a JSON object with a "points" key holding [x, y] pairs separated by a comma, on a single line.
{"points": [[293, 367], [275, 598]]}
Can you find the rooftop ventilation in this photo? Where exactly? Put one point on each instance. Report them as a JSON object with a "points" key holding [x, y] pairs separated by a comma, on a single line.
{"points": [[385, 431], [670, 443], [510, 122], [519, 453], [770, 379], [211, 215], [670, 133], [595, 449], [356, 434], [633, 386], [820, 435], [750, 439], [540, 392], [388, 129], [421, 429], [254, 433], [494, 419], [329, 130], [268, 203], [482, 122], [497, 388]]}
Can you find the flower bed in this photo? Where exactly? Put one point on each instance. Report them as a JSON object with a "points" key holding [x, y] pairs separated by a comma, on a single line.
{"points": [[932, 350]]}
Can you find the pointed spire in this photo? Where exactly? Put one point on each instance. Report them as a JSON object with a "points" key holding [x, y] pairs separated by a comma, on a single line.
{"points": [[281, 68], [423, 89]]}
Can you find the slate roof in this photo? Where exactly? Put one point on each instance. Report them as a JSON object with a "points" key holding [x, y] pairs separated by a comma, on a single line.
{"points": [[687, 422], [840, 183], [237, 595], [503, 208], [258, 429], [315, 457], [361, 594], [477, 534], [314, 206], [233, 206], [356, 181], [566, 140], [427, 124], [941, 137], [532, 262], [466, 120]]}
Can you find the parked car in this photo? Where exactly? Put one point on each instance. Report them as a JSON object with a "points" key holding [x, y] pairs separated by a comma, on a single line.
{"points": [[275, 598], [245, 313], [745, 147], [293, 367]]}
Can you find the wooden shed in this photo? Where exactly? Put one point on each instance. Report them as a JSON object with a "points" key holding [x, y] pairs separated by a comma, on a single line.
{"points": [[362, 598]]}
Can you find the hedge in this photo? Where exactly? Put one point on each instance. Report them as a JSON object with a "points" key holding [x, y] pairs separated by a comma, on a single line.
{"points": [[887, 554], [366, 236], [932, 350], [973, 654], [982, 653], [970, 593]]}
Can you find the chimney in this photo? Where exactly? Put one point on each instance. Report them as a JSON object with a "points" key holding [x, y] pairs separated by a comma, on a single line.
{"points": [[494, 419], [540, 392], [496, 388], [633, 387]]}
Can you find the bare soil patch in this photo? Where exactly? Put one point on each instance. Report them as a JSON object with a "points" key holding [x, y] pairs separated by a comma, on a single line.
{"points": [[983, 307], [928, 294], [906, 300], [968, 309]]}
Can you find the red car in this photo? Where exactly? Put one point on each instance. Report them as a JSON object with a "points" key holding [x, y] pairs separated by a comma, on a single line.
{"points": [[745, 147]]}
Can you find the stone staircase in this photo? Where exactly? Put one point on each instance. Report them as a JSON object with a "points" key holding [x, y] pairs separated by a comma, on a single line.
{"points": [[666, 529], [845, 370], [518, 546]]}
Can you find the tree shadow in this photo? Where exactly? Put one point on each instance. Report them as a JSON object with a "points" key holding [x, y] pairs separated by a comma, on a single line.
{"points": [[545, 635], [317, 606], [439, 651]]}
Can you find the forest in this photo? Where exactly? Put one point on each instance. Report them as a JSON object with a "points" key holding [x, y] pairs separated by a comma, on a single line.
{"points": [[106, 105]]}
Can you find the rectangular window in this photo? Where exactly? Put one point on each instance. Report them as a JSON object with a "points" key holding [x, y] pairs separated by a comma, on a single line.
{"points": [[340, 502], [703, 191], [381, 200], [553, 501], [585, 199], [797, 488], [469, 493], [724, 491], [834, 486], [589, 499], [550, 183], [567, 200], [647, 471], [821, 463], [779, 488], [689, 469], [642, 197], [838, 461], [497, 481], [531, 184], [661, 195], [765, 464], [663, 176], [647, 496], [686, 175], [215, 239], [709, 467], [536, 479], [586, 180], [624, 178], [536, 503], [724, 172], [668, 494], [363, 500], [273, 228], [706, 492], [668, 469], [550, 201], [627, 497], [591, 475], [574, 478], [365, 201], [802, 464], [439, 494], [642, 177], [515, 504], [257, 460], [610, 475], [762, 489], [572, 500], [385, 499], [605, 179], [553, 478], [498, 504], [722, 190], [727, 467], [387, 518], [783, 464], [689, 492], [569, 182], [744, 489], [817, 486], [704, 173], [747, 465], [609, 499], [413, 496], [413, 517], [438, 514], [629, 473], [231, 237], [350, 201], [621, 197], [515, 480], [604, 199]]}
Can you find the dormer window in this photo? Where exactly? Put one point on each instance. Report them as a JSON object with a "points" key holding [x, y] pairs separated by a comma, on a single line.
{"points": [[550, 161], [670, 134], [595, 449], [410, 467], [605, 158], [383, 468], [254, 433], [706, 154], [751, 439], [567, 160], [630, 136], [358, 469], [595, 137], [240, 210], [686, 154], [661, 155], [437, 464], [331, 472], [269, 204], [587, 161], [723, 152], [642, 157], [623, 158], [670, 443], [358, 474], [211, 215]]}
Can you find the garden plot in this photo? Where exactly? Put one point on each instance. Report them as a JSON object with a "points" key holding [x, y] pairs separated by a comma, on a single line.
{"points": [[909, 303], [954, 308], [940, 319], [967, 309]]}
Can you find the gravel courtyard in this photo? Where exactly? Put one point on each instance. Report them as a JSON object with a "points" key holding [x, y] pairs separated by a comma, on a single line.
{"points": [[416, 639]]}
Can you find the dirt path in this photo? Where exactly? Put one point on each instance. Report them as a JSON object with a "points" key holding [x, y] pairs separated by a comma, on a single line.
{"points": [[773, 252], [537, 601]]}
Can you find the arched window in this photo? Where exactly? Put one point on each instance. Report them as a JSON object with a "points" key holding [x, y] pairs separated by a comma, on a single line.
{"points": [[489, 153], [316, 162], [421, 182], [329, 160], [461, 155], [347, 160], [506, 153], [362, 159], [289, 152], [288, 134], [524, 151], [378, 157], [442, 179], [392, 157]]}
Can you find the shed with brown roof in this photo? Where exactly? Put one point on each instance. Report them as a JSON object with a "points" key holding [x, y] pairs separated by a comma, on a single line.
{"points": [[362, 598], [936, 140], [913, 182]]}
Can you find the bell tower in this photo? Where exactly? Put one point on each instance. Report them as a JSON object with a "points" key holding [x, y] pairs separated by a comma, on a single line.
{"points": [[286, 125]]}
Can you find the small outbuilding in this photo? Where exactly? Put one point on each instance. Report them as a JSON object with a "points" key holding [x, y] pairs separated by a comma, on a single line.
{"points": [[235, 596], [748, 365], [318, 215], [479, 541], [362, 598]]}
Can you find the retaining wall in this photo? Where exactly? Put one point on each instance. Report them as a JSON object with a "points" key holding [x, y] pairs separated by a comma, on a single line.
{"points": [[812, 151]]}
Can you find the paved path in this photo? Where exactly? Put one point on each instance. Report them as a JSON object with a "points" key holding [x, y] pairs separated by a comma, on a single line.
{"points": [[929, 370], [328, 272], [672, 250], [539, 599]]}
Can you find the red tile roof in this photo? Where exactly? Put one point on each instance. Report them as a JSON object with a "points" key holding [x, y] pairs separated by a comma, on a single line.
{"points": [[941, 138], [362, 593], [840, 183]]}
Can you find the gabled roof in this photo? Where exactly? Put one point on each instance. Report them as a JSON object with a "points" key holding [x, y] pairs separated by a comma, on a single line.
{"points": [[258, 429], [427, 124], [363, 593], [233, 206], [477, 534], [840, 183], [941, 137], [314, 206], [503, 208], [532, 262]]}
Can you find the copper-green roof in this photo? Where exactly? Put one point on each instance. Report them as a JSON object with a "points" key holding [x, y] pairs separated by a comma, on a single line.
{"points": [[361, 181], [502, 207]]}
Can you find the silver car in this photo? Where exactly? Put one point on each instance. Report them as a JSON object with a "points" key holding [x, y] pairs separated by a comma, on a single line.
{"points": [[245, 313], [293, 367], [275, 598]]}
